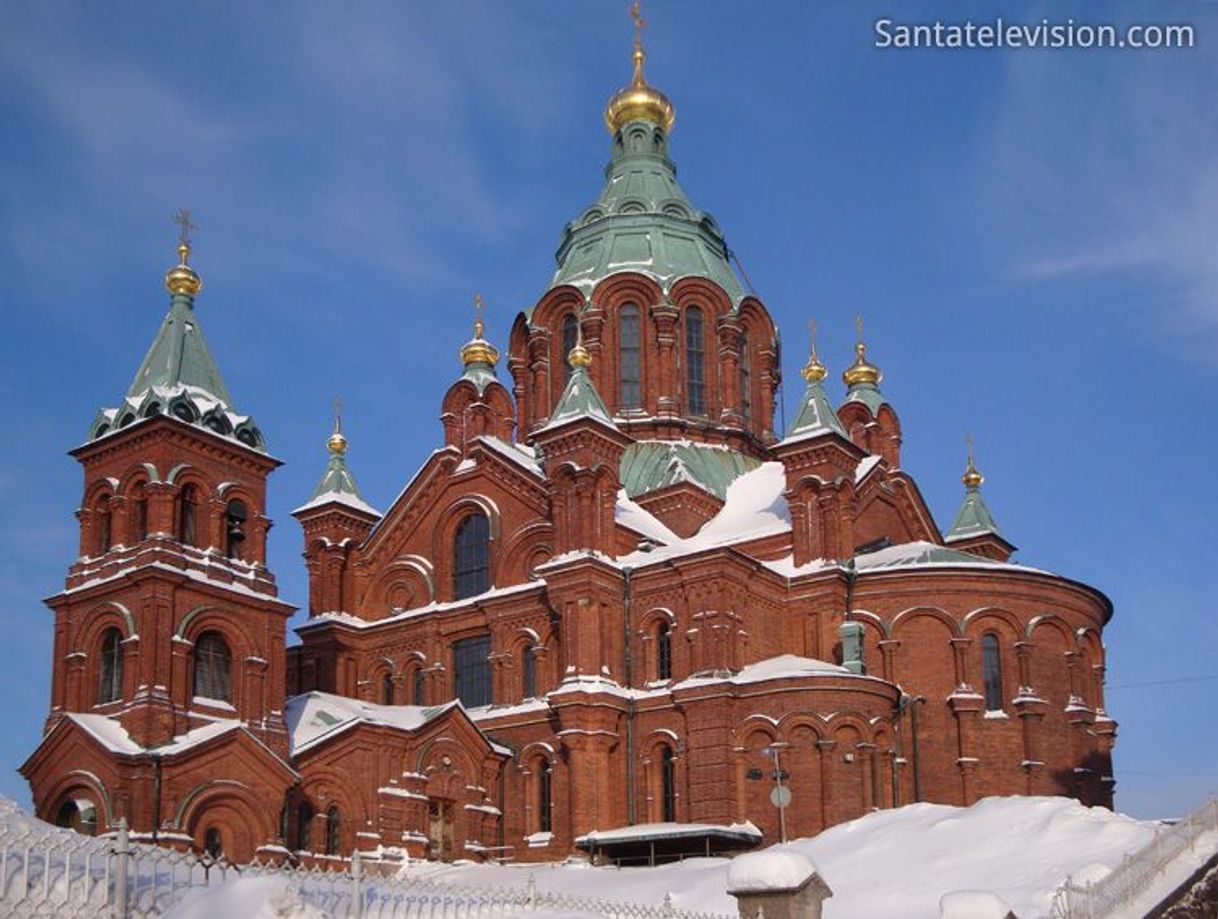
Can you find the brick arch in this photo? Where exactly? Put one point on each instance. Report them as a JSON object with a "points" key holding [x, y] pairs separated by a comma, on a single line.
{"points": [[1054, 622], [795, 722], [524, 545], [244, 821], [107, 615], [610, 295], [329, 786], [446, 782], [652, 760], [974, 623], [408, 577], [872, 619], [107, 486], [444, 534], [236, 634], [648, 632], [934, 612], [86, 784], [553, 303], [139, 473]]}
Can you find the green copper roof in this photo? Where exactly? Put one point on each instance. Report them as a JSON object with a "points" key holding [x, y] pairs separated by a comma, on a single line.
{"points": [[338, 485], [815, 415], [179, 355], [642, 221], [579, 400], [481, 374], [179, 378], [649, 465], [973, 518], [867, 393]]}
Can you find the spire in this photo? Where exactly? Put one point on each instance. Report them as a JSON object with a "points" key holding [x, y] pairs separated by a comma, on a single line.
{"points": [[640, 101], [862, 377], [815, 415], [337, 484], [579, 399], [974, 517], [178, 376], [478, 355]]}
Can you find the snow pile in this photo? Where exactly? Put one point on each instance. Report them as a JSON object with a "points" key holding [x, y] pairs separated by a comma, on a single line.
{"points": [[973, 904], [249, 898], [769, 871]]}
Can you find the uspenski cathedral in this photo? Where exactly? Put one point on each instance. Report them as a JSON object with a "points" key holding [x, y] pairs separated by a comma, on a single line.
{"points": [[615, 611]]}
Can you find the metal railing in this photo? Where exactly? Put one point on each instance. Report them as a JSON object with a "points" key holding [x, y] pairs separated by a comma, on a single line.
{"points": [[46, 872], [1137, 872]]}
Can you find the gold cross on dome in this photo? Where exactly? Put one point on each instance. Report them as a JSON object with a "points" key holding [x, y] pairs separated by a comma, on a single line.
{"points": [[640, 23], [812, 335], [181, 217], [858, 324], [338, 415], [968, 439]]}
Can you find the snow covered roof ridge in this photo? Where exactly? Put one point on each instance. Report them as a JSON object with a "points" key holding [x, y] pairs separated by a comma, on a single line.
{"points": [[338, 485]]}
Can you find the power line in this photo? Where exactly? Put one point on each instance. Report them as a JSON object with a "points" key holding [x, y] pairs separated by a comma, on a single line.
{"points": [[1183, 679]]}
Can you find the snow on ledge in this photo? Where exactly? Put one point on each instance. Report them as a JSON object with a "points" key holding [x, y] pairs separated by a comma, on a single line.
{"points": [[769, 872]]}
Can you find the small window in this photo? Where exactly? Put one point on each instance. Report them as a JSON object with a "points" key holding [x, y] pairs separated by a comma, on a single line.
{"points": [[332, 825], [629, 354], [472, 670], [746, 380], [110, 675], [991, 669], [234, 528], [668, 786], [570, 335], [545, 795], [105, 526], [213, 661], [79, 814], [188, 509], [387, 689], [213, 844], [664, 651], [528, 671], [418, 687], [304, 826], [141, 512], [471, 550], [695, 361]]}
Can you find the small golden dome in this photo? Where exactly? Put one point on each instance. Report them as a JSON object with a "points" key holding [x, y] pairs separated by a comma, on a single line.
{"points": [[971, 478], [479, 350], [182, 279], [579, 356], [861, 371], [640, 101], [337, 443], [814, 371]]}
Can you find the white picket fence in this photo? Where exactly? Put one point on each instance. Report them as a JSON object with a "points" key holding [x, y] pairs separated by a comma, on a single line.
{"points": [[1118, 890], [50, 873]]}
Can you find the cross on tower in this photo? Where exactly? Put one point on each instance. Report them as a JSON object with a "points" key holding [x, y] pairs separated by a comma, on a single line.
{"points": [[640, 23], [812, 335], [858, 324], [338, 415], [182, 218]]}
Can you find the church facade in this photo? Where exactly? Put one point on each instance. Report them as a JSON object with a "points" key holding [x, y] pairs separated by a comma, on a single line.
{"points": [[615, 611]]}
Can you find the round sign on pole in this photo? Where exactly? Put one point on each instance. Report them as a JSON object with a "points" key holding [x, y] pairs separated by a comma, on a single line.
{"points": [[780, 796]]}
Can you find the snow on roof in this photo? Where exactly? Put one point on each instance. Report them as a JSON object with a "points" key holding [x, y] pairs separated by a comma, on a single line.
{"points": [[770, 871], [315, 716], [114, 737], [629, 514], [927, 554], [338, 497], [358, 623], [754, 507], [782, 667], [519, 454], [642, 832], [866, 464]]}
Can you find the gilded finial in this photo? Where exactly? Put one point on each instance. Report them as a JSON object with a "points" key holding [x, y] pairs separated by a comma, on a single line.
{"points": [[861, 372], [337, 442], [182, 279], [639, 101], [814, 371], [972, 479], [579, 356], [479, 350]]}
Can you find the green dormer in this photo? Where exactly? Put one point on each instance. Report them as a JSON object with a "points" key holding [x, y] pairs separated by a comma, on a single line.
{"points": [[974, 517]]}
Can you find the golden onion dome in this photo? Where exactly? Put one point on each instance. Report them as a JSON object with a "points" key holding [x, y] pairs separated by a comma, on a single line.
{"points": [[337, 443], [861, 371], [640, 101], [182, 279], [971, 478], [579, 356], [479, 350], [814, 371]]}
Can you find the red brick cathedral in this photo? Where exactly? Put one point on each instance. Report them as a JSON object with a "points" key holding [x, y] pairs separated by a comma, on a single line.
{"points": [[613, 611]]}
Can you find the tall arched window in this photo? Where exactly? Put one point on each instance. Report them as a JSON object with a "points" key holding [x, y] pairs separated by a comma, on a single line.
{"points": [[418, 687], [188, 509], [668, 786], [140, 495], [304, 826], [545, 796], [234, 528], [213, 845], [695, 362], [387, 689], [629, 358], [332, 822], [110, 674], [471, 556], [105, 525], [746, 380], [991, 669], [570, 335], [664, 651], [213, 661], [528, 671]]}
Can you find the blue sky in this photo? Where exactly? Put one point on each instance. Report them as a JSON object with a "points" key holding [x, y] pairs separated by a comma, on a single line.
{"points": [[1031, 236]]}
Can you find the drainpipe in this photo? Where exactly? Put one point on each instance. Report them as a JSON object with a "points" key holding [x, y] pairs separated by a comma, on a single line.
{"points": [[913, 729], [628, 666]]}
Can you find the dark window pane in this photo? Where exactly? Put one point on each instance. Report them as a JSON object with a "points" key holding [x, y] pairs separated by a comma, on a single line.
{"points": [[746, 381], [668, 783], [187, 509], [544, 797], [570, 335], [629, 362], [212, 662], [234, 528], [110, 685], [212, 843], [695, 362], [471, 572], [332, 823], [664, 652], [472, 670], [387, 689], [529, 672], [991, 667], [417, 689], [304, 826]]}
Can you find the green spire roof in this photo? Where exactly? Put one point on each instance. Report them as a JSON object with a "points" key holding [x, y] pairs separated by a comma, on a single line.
{"points": [[642, 221], [973, 518], [649, 465], [579, 400], [815, 415], [337, 485], [178, 376]]}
